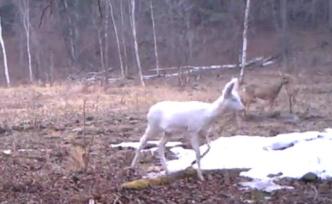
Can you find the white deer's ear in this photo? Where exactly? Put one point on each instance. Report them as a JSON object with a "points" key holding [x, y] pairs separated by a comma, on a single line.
{"points": [[229, 88], [236, 84]]}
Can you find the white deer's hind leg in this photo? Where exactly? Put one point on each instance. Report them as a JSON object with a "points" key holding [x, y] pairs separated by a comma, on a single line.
{"points": [[143, 140], [195, 146], [161, 151]]}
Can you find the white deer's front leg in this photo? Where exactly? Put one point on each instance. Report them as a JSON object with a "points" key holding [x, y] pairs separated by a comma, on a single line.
{"points": [[195, 145], [143, 140]]}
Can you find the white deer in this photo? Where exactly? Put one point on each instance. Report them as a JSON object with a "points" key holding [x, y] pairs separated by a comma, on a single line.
{"points": [[193, 118]]}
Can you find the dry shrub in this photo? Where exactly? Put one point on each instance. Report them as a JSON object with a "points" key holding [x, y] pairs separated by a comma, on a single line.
{"points": [[78, 158]]}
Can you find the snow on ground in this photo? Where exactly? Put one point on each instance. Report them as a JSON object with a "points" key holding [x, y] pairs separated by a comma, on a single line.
{"points": [[267, 158]]}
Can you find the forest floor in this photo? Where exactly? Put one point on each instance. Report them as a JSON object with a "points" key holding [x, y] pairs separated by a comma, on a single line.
{"points": [[51, 153]]}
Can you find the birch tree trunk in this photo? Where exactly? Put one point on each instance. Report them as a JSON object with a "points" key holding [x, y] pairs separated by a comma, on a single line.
{"points": [[138, 60], [123, 40], [106, 36], [106, 63], [244, 46], [154, 38], [4, 56], [26, 23], [117, 40]]}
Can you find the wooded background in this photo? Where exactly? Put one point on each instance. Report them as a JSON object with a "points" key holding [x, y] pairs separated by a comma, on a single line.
{"points": [[49, 40]]}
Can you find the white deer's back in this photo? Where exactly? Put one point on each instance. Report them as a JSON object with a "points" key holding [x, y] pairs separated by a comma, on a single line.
{"points": [[173, 116]]}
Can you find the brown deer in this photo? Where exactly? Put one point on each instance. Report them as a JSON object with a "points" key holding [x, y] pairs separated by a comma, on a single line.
{"points": [[251, 92], [292, 92]]}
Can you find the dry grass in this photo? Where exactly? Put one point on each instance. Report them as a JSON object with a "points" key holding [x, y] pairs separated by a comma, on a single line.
{"points": [[32, 104], [49, 160]]}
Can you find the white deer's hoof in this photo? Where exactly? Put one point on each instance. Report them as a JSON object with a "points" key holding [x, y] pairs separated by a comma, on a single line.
{"points": [[200, 176]]}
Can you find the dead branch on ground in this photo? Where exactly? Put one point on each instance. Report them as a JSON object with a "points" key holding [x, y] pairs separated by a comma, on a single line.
{"points": [[160, 180], [188, 69]]}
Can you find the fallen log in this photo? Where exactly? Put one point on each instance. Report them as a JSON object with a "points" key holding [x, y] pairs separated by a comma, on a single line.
{"points": [[188, 69], [143, 183]]}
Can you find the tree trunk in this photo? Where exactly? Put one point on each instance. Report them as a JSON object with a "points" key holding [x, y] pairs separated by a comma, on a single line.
{"points": [[29, 50], [26, 23], [330, 14], [21, 57], [154, 38], [189, 38], [40, 62], [123, 40], [71, 33], [244, 47], [117, 40], [138, 60], [4, 56], [106, 44], [313, 12], [284, 34], [275, 16], [51, 69], [101, 50]]}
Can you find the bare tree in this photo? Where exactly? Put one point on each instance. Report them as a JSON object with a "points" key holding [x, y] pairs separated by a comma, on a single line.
{"points": [[138, 60], [189, 36], [284, 34], [154, 38], [117, 40], [101, 50], [330, 15], [244, 47], [25, 10], [313, 14], [72, 30], [4, 56], [51, 69], [106, 43], [99, 29], [123, 39]]}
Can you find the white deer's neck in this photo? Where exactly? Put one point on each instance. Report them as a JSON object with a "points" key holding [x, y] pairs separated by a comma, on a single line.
{"points": [[217, 108]]}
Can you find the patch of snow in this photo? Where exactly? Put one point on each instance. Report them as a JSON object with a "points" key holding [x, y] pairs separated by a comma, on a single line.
{"points": [[31, 150], [267, 185], [285, 155], [7, 152]]}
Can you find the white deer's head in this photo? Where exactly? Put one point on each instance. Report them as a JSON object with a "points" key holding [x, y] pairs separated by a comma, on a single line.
{"points": [[231, 97]]}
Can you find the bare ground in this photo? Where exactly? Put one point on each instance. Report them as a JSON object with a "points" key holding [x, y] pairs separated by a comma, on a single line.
{"points": [[54, 158]]}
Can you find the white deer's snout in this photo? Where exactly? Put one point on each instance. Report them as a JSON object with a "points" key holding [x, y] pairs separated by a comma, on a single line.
{"points": [[236, 103], [241, 105]]}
